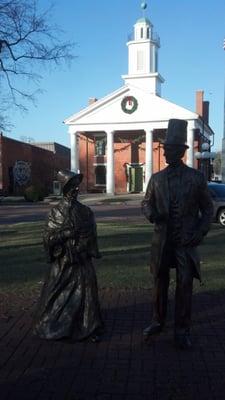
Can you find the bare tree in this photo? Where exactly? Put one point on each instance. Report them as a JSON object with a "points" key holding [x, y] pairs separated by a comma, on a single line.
{"points": [[27, 39]]}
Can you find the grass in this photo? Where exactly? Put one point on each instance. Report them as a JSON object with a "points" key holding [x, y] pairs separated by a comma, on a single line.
{"points": [[125, 248], [22, 256], [119, 199]]}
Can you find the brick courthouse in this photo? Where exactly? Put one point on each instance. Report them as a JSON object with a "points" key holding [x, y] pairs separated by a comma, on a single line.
{"points": [[116, 140], [23, 164]]}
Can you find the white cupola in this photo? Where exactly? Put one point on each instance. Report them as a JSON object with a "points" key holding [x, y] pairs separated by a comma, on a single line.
{"points": [[143, 57]]}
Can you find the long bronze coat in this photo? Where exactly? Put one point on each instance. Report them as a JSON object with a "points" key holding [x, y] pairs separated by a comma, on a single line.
{"points": [[196, 213], [69, 305]]}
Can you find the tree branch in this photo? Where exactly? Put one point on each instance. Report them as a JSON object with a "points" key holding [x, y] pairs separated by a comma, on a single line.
{"points": [[27, 39]]}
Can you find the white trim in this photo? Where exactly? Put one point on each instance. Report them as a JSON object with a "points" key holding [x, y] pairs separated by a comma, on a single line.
{"points": [[100, 184], [101, 164], [141, 76], [121, 126], [135, 164]]}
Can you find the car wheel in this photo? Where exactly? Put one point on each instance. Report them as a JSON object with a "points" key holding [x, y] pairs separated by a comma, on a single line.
{"points": [[221, 217]]}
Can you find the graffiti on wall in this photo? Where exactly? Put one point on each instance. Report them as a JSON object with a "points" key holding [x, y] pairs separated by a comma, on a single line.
{"points": [[21, 172]]}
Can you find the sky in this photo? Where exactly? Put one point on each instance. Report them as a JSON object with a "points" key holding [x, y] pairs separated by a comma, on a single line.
{"points": [[191, 58]]}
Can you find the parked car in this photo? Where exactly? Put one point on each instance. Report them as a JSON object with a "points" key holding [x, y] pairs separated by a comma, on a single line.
{"points": [[217, 191]]}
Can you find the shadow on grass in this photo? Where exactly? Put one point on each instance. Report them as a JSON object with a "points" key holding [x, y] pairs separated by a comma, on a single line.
{"points": [[126, 252], [22, 264], [8, 232], [124, 239], [10, 248], [116, 241], [125, 249]]}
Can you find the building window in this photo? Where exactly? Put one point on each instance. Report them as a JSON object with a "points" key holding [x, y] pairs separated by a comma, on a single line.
{"points": [[141, 33], [100, 175], [100, 144], [147, 33]]}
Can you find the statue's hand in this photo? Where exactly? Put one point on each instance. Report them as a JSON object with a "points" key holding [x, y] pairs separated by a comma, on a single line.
{"points": [[68, 234]]}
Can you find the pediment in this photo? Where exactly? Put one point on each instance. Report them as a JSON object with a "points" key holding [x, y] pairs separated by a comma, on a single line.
{"points": [[108, 110]]}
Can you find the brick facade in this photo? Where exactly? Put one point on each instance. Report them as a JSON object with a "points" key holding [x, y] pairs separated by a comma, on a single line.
{"points": [[43, 165], [129, 149]]}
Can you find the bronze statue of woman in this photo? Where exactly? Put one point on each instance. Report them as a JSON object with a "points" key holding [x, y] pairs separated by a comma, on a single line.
{"points": [[69, 304]]}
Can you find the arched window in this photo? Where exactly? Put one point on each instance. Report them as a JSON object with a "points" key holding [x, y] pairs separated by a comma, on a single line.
{"points": [[100, 175]]}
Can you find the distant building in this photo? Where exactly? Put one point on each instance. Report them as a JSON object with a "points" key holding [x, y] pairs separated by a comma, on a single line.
{"points": [[55, 148], [116, 140], [23, 164]]}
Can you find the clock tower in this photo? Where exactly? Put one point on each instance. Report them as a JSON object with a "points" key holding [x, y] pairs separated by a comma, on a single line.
{"points": [[143, 57]]}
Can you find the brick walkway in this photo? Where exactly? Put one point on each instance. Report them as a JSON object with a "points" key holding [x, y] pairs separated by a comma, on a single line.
{"points": [[122, 366]]}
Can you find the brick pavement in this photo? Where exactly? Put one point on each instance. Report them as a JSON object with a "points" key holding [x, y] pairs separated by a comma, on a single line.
{"points": [[122, 366]]}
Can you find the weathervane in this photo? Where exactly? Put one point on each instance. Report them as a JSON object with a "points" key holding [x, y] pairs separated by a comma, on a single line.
{"points": [[143, 7]]}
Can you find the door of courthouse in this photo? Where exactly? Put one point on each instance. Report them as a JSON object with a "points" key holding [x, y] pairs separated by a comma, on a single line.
{"points": [[135, 178]]}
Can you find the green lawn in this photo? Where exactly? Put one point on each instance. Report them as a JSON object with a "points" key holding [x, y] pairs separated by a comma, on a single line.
{"points": [[125, 250]]}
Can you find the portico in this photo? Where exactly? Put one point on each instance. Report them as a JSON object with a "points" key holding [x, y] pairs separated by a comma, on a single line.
{"points": [[147, 134]]}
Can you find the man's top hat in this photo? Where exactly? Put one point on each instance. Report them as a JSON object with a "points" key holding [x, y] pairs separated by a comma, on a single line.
{"points": [[68, 179], [176, 133]]}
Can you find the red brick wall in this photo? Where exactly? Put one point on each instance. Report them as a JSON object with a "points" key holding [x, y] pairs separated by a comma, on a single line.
{"points": [[44, 164], [141, 149], [158, 157], [122, 155], [87, 159]]}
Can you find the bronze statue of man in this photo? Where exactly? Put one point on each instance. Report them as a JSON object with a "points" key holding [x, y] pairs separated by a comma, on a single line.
{"points": [[178, 203], [69, 305]]}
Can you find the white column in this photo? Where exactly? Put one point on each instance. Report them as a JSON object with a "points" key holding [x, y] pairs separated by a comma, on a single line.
{"points": [[74, 151], [148, 155], [110, 181], [190, 143]]}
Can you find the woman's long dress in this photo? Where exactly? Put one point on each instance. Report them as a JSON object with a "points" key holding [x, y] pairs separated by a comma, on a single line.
{"points": [[69, 304]]}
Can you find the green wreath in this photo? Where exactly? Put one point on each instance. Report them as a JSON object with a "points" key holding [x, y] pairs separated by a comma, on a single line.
{"points": [[124, 104]]}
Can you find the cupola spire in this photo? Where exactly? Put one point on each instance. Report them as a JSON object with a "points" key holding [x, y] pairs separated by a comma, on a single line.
{"points": [[143, 56]]}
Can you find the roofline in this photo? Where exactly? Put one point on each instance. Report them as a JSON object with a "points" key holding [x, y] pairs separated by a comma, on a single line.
{"points": [[206, 125], [97, 104]]}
